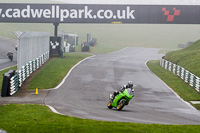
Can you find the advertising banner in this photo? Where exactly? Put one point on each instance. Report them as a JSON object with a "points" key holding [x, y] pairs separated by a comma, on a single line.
{"points": [[78, 13]]}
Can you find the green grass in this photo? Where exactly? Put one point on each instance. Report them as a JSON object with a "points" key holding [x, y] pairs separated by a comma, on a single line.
{"points": [[5, 71], [165, 51], [186, 92], [187, 58], [197, 106], [56, 69], [37, 118], [110, 37]]}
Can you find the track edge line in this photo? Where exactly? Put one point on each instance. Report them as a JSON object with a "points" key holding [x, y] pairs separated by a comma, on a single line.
{"points": [[172, 90]]}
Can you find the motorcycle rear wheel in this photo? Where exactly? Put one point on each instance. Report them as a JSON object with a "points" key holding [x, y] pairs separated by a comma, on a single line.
{"points": [[121, 105]]}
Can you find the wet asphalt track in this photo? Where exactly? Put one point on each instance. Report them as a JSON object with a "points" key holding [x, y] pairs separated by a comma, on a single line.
{"points": [[7, 44], [85, 92]]}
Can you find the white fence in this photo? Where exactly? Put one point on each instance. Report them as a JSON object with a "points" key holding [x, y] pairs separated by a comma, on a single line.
{"points": [[26, 70], [184, 74], [33, 51], [31, 45]]}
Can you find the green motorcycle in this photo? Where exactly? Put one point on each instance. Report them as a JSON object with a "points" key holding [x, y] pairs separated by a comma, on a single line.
{"points": [[121, 99]]}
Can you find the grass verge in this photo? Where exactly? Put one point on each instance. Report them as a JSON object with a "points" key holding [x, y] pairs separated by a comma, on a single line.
{"points": [[5, 71], [187, 58], [38, 118], [186, 92], [53, 73]]}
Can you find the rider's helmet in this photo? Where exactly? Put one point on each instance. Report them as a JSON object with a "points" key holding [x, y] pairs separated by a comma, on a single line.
{"points": [[130, 84]]}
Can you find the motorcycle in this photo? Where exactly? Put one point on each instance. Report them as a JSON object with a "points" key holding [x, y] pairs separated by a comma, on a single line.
{"points": [[10, 56], [121, 99]]}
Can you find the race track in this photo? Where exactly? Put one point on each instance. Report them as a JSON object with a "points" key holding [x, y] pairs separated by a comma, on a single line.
{"points": [[86, 91], [7, 44]]}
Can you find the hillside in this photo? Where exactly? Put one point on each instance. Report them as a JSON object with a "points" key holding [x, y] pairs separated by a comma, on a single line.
{"points": [[189, 58]]}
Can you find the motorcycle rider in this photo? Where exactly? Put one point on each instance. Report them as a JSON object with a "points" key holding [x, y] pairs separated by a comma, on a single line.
{"points": [[10, 54], [16, 47], [129, 85]]}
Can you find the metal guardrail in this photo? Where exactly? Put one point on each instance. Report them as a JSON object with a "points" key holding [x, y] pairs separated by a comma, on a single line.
{"points": [[33, 51], [14, 84], [17, 80], [185, 75]]}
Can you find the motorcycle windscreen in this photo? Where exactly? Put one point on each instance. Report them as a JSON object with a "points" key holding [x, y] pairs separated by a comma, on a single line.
{"points": [[130, 92]]}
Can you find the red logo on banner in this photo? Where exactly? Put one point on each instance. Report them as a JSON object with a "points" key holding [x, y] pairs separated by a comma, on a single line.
{"points": [[171, 17]]}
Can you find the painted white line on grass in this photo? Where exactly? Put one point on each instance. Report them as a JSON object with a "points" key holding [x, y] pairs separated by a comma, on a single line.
{"points": [[7, 67], [61, 83], [195, 102], [172, 90], [53, 110]]}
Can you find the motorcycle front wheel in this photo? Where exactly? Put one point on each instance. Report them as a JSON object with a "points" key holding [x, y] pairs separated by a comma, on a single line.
{"points": [[110, 105]]}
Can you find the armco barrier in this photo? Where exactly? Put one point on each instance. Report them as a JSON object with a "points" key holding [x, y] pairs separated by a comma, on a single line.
{"points": [[13, 83], [33, 65], [8, 80], [185, 75]]}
